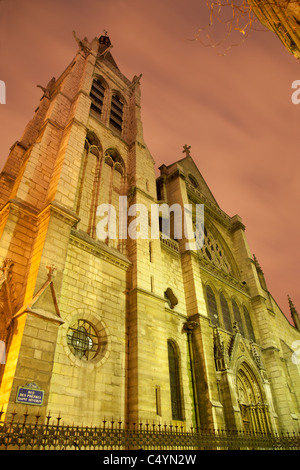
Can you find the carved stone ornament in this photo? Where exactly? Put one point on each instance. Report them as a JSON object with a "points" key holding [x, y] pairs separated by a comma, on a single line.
{"points": [[257, 358], [48, 89], [135, 81], [48, 284], [220, 352], [189, 325], [83, 44], [171, 298]]}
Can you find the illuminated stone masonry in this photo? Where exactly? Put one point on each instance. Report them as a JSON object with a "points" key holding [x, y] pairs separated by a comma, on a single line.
{"points": [[130, 327]]}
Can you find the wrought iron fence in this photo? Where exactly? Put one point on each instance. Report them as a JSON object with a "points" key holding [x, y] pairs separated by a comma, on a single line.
{"points": [[20, 434]]}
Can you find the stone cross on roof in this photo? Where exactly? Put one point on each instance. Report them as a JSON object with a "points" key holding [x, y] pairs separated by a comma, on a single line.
{"points": [[186, 149]]}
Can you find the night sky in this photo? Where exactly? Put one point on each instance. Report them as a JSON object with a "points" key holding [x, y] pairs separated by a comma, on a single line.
{"points": [[234, 110]]}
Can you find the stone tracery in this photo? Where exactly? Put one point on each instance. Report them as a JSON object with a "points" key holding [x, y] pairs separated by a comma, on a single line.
{"points": [[214, 252]]}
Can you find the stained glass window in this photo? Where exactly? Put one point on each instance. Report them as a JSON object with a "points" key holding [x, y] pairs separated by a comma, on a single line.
{"points": [[83, 340], [225, 313], [248, 324], [212, 306]]}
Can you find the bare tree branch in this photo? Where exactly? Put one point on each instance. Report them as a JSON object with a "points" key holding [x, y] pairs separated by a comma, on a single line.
{"points": [[240, 17]]}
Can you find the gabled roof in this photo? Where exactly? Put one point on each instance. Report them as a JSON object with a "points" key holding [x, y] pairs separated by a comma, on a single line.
{"points": [[189, 168]]}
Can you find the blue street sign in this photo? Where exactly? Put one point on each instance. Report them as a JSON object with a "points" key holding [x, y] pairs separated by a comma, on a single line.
{"points": [[30, 396]]}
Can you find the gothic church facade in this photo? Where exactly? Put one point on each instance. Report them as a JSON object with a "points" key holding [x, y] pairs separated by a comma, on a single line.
{"points": [[129, 327]]}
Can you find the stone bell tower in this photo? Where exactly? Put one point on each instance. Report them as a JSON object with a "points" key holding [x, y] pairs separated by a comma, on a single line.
{"points": [[67, 297]]}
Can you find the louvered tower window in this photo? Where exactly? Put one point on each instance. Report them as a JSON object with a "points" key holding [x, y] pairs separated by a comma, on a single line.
{"points": [[225, 313], [116, 113], [176, 401], [212, 306], [97, 97]]}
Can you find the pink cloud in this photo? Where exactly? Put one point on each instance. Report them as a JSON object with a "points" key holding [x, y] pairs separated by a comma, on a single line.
{"points": [[234, 111]]}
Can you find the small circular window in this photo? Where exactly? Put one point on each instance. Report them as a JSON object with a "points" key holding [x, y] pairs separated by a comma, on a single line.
{"points": [[83, 340]]}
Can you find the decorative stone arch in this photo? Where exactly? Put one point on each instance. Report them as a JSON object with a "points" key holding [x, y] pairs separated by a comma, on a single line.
{"points": [[113, 158], [248, 386], [118, 175], [244, 389], [251, 398], [98, 76], [116, 92], [93, 144]]}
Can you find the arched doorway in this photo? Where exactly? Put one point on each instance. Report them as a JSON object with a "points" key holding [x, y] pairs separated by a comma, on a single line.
{"points": [[254, 410]]}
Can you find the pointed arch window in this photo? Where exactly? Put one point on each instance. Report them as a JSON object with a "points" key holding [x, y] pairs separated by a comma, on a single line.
{"points": [[97, 97], [212, 306], [237, 317], [174, 373], [114, 159], [116, 113], [248, 324], [225, 313], [88, 189]]}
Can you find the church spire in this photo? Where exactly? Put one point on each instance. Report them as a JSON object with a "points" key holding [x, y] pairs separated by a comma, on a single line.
{"points": [[294, 313]]}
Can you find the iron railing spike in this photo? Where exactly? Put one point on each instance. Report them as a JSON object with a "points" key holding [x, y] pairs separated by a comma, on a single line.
{"points": [[61, 436]]}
